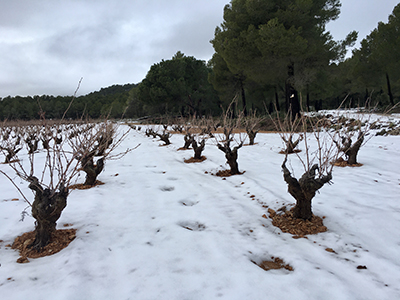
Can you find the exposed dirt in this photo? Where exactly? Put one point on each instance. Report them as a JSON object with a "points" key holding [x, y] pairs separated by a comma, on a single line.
{"points": [[225, 173], [81, 186], [59, 240], [275, 263], [13, 199], [195, 160], [294, 151], [298, 227], [342, 163], [183, 149]]}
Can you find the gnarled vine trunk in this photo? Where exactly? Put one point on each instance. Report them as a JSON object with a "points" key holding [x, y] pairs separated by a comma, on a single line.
{"points": [[252, 135], [46, 209], [231, 156], [290, 145], [188, 138], [351, 149], [104, 141], [91, 169], [165, 137], [198, 149], [304, 189]]}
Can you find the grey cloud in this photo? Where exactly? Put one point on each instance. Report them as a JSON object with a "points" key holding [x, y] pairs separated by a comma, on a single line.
{"points": [[46, 46], [50, 44]]}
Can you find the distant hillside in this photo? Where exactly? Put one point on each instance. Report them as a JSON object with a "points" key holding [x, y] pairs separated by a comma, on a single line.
{"points": [[113, 89], [110, 101]]}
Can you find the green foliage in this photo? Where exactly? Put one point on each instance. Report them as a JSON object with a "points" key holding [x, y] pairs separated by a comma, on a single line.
{"points": [[279, 43], [376, 63], [111, 102], [177, 86]]}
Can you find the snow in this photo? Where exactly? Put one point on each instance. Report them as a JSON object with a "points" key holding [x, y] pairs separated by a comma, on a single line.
{"points": [[133, 239]]}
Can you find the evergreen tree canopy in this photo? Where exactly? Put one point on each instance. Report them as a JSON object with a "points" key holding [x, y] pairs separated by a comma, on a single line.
{"points": [[108, 102], [179, 85], [276, 41], [377, 62]]}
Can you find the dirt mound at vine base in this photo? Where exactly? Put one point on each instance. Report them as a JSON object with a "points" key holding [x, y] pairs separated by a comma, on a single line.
{"points": [[195, 160], [59, 240], [298, 227], [226, 173], [342, 163], [81, 186]]}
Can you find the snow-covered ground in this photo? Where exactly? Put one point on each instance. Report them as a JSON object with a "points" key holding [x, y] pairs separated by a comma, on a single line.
{"points": [[133, 239]]}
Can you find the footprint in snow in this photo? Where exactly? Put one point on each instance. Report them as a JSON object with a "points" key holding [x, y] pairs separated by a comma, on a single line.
{"points": [[192, 226], [167, 188], [188, 202]]}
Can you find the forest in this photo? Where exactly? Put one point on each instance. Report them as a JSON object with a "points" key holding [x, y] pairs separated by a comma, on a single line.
{"points": [[269, 54]]}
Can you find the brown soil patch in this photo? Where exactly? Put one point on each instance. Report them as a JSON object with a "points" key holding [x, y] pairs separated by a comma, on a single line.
{"points": [[195, 160], [342, 163], [226, 173], [275, 263], [294, 151], [298, 227], [59, 240], [13, 199], [81, 186], [181, 149]]}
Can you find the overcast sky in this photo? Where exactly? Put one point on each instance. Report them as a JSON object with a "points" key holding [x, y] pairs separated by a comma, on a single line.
{"points": [[46, 46]]}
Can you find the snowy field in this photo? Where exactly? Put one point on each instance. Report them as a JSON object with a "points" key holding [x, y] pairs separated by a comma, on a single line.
{"points": [[163, 229]]}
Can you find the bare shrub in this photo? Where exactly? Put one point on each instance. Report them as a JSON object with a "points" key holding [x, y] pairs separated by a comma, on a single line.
{"points": [[165, 136], [352, 136], [50, 188], [230, 123], [317, 163], [188, 139], [9, 145], [198, 147], [61, 159], [252, 127], [99, 140]]}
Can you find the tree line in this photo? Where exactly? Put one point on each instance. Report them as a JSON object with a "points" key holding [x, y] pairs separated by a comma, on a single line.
{"points": [[270, 54], [108, 102]]}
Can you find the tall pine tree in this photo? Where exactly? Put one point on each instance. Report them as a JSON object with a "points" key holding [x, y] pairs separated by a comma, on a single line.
{"points": [[279, 41]]}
